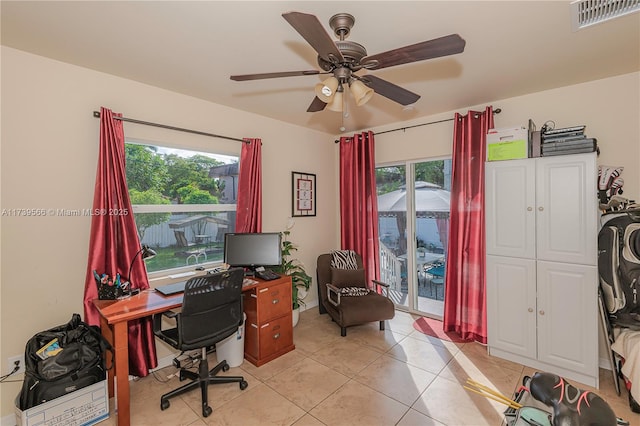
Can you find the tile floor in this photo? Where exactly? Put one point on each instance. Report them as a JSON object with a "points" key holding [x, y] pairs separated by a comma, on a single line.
{"points": [[396, 377]]}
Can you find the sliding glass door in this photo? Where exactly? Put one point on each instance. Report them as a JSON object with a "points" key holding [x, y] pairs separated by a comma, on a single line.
{"points": [[413, 226]]}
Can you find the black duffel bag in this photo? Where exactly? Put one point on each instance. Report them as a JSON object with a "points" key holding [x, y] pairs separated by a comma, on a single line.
{"points": [[62, 360]]}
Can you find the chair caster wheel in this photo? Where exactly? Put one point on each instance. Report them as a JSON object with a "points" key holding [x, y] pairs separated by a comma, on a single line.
{"points": [[206, 411], [225, 367], [243, 385], [164, 404]]}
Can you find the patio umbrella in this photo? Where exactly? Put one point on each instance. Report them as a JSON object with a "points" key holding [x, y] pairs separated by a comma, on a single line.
{"points": [[430, 201], [428, 198]]}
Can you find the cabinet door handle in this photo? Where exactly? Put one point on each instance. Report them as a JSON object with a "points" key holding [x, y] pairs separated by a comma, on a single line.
{"points": [[529, 209], [541, 312], [540, 208], [274, 301], [530, 309], [276, 336]]}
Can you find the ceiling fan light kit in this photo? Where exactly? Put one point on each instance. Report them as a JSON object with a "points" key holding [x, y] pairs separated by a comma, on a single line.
{"points": [[336, 104], [361, 93], [343, 59], [327, 89]]}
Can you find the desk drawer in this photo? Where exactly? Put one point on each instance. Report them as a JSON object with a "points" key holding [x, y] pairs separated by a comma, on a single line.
{"points": [[274, 301], [275, 336]]}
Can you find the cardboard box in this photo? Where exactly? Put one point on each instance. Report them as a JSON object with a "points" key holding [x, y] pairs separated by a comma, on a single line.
{"points": [[507, 144], [86, 406]]}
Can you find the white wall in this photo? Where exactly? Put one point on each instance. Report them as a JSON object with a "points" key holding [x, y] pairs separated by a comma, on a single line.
{"points": [[610, 108], [49, 157]]}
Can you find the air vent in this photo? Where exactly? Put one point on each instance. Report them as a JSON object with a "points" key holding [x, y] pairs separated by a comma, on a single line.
{"points": [[585, 13]]}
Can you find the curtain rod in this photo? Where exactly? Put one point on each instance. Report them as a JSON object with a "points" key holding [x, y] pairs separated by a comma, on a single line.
{"points": [[496, 111], [164, 126]]}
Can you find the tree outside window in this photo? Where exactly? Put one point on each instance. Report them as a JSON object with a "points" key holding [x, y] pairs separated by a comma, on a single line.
{"points": [[175, 196]]}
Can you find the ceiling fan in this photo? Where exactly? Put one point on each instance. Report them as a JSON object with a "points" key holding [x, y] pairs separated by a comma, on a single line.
{"points": [[344, 58]]}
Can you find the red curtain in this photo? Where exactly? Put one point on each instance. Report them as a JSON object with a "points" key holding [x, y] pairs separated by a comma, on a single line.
{"points": [[359, 201], [114, 241], [465, 303], [249, 204], [442, 223]]}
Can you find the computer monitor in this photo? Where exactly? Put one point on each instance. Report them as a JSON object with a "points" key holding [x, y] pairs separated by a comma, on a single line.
{"points": [[252, 250]]}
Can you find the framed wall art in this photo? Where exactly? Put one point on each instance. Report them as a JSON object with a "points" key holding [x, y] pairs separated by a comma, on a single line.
{"points": [[304, 194]]}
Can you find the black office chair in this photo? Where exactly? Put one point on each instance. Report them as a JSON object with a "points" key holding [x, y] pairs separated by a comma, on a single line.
{"points": [[211, 312]]}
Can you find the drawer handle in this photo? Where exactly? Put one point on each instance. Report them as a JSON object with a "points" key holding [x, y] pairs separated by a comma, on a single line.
{"points": [[274, 301], [541, 312], [530, 309], [276, 336]]}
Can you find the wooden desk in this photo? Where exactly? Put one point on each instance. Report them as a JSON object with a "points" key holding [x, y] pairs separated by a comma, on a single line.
{"points": [[114, 318], [268, 329]]}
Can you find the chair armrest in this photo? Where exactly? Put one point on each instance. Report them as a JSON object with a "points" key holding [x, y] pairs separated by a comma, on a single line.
{"points": [[335, 292], [157, 320], [381, 284]]}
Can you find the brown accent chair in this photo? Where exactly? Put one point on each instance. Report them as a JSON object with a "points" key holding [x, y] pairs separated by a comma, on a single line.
{"points": [[351, 310]]}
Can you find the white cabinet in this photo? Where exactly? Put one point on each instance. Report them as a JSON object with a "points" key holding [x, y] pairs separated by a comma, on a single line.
{"points": [[541, 232], [511, 304], [567, 315], [543, 208]]}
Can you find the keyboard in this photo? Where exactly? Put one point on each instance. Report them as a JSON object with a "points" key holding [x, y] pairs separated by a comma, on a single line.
{"points": [[267, 275], [170, 289]]}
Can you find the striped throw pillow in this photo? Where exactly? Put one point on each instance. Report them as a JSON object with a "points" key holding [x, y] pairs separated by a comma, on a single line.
{"points": [[354, 291], [344, 259]]}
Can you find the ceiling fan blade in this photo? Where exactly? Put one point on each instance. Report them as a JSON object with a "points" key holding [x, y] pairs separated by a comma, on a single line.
{"points": [[316, 105], [390, 90], [273, 75], [443, 46], [314, 33]]}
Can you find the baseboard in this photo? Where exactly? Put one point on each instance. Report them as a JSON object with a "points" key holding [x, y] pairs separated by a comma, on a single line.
{"points": [[8, 420], [308, 306], [164, 362], [604, 363]]}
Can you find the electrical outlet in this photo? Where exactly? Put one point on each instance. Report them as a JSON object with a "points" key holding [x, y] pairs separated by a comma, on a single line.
{"points": [[12, 362]]}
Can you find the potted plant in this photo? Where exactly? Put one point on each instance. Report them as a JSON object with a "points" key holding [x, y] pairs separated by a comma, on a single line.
{"points": [[295, 269]]}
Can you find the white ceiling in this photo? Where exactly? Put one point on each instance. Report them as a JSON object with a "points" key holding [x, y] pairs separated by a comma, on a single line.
{"points": [[512, 48]]}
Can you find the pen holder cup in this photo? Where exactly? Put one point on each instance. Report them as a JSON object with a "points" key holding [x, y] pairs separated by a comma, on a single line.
{"points": [[109, 292]]}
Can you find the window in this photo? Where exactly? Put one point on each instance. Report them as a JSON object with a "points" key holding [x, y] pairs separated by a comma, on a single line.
{"points": [[413, 228], [183, 203]]}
